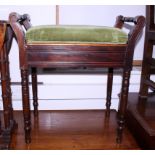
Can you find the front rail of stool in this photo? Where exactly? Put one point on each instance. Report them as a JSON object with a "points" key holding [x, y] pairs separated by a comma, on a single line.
{"points": [[72, 55]]}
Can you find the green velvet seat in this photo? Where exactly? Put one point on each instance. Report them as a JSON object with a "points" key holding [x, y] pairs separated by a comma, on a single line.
{"points": [[75, 34]]}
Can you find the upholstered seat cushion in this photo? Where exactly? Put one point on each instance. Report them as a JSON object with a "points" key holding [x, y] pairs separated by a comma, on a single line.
{"points": [[75, 34]]}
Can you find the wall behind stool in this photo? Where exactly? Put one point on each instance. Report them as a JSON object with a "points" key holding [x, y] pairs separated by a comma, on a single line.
{"points": [[72, 91]]}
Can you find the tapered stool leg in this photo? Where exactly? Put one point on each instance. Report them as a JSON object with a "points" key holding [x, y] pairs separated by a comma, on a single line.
{"points": [[122, 105], [26, 105], [34, 90], [109, 90]]}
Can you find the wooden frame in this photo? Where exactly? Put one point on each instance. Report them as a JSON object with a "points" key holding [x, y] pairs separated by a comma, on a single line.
{"points": [[70, 55], [6, 36], [148, 60]]}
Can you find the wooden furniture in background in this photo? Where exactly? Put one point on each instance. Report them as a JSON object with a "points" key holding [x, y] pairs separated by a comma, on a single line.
{"points": [[148, 66], [140, 118], [75, 55], [141, 109], [6, 36]]}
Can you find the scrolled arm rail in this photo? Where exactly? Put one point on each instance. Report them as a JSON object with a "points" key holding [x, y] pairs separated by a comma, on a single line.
{"points": [[24, 17], [25, 21], [17, 21], [134, 33], [129, 19], [139, 23]]}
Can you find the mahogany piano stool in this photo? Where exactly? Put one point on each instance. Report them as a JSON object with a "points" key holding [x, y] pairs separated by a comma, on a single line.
{"points": [[75, 47]]}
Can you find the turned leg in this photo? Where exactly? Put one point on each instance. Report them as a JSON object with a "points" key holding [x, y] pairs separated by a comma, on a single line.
{"points": [[34, 90], [9, 89], [26, 105], [109, 90], [5, 93], [123, 105]]}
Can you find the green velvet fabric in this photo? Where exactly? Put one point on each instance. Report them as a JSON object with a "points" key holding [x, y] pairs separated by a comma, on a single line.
{"points": [[75, 34]]}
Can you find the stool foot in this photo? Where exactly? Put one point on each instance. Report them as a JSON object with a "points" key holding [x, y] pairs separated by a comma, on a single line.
{"points": [[120, 129], [35, 112], [27, 132], [27, 138]]}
